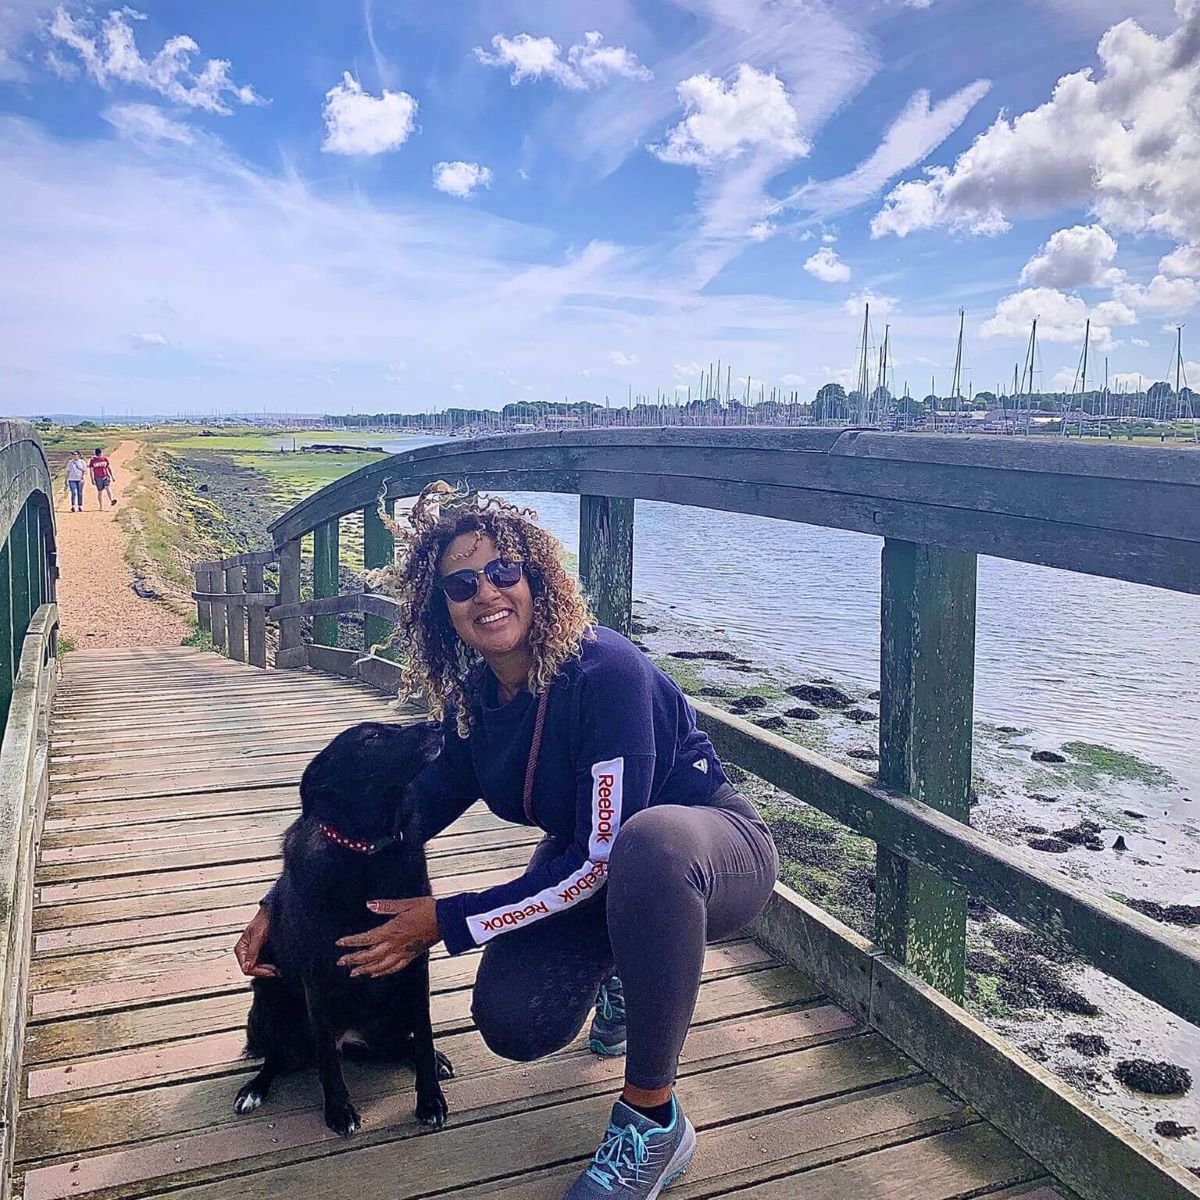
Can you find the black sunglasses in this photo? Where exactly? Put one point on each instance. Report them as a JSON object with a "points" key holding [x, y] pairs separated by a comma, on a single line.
{"points": [[461, 586]]}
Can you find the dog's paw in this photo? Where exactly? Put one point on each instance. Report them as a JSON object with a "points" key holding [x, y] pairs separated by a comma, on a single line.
{"points": [[431, 1110], [445, 1068], [248, 1099], [342, 1117]]}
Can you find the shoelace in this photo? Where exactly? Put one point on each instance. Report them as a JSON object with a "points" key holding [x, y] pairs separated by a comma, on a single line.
{"points": [[611, 1003], [622, 1150]]}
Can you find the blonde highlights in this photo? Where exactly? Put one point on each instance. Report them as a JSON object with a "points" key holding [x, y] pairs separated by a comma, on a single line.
{"points": [[440, 670]]}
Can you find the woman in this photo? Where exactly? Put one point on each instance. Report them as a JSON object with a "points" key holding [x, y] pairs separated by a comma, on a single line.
{"points": [[76, 472], [648, 854]]}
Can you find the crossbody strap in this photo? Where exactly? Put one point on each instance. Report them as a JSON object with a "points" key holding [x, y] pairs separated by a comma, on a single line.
{"points": [[534, 750]]}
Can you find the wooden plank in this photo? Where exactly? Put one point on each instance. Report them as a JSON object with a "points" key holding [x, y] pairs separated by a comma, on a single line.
{"points": [[325, 579], [1078, 1143], [379, 550], [502, 1145], [1161, 964], [75, 1126], [212, 982], [207, 1036], [606, 559], [944, 1166], [102, 814], [927, 681]]}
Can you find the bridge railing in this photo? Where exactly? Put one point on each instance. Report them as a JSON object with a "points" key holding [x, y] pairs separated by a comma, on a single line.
{"points": [[1128, 513]]}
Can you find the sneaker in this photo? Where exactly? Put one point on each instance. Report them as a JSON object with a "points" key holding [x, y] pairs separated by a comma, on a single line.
{"points": [[637, 1159], [607, 1037]]}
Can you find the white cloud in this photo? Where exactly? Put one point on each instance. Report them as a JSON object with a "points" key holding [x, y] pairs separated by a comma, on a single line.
{"points": [[792, 380], [1077, 257], [1183, 260], [18, 21], [1139, 342], [1116, 141], [829, 238], [586, 64], [358, 123], [881, 306], [109, 54], [761, 231], [1160, 295], [1062, 317], [1113, 312], [147, 341], [727, 120], [147, 122], [461, 178], [826, 266], [914, 134], [620, 359]]}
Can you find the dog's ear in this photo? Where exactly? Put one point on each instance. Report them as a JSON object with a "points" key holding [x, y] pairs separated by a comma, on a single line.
{"points": [[432, 739], [317, 782]]}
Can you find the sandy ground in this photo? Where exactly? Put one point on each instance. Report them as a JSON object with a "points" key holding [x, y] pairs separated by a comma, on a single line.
{"points": [[96, 601]]}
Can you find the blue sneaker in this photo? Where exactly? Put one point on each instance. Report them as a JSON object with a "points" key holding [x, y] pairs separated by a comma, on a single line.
{"points": [[607, 1037], [637, 1159]]}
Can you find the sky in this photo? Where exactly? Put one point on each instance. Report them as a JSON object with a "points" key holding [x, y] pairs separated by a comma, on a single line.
{"points": [[384, 205]]}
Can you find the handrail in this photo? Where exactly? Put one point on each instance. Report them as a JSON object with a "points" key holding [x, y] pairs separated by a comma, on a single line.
{"points": [[28, 561], [24, 789], [1130, 513]]}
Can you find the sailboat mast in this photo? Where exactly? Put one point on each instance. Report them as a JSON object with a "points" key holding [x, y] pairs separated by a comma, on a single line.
{"points": [[957, 382], [863, 376]]}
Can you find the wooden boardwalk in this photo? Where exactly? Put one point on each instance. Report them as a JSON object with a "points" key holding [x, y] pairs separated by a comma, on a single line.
{"points": [[174, 772]]}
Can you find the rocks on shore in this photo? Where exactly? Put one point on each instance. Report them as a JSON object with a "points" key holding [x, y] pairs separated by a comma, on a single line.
{"points": [[770, 721], [747, 703], [861, 715], [719, 656], [1050, 845], [1153, 1078], [1090, 1045], [1169, 914], [800, 713], [823, 695], [1173, 1129], [1047, 756]]}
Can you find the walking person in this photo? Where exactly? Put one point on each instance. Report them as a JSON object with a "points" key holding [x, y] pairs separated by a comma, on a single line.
{"points": [[648, 853], [76, 473], [102, 477]]}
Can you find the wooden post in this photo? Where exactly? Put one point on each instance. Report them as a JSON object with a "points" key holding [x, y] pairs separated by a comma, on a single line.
{"points": [[203, 608], [235, 614], [289, 652], [606, 559], [256, 619], [325, 580], [216, 583], [379, 549], [926, 697]]}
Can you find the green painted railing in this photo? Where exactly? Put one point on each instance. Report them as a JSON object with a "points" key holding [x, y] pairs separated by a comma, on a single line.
{"points": [[27, 544]]}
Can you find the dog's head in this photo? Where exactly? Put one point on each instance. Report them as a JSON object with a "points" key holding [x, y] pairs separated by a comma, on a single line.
{"points": [[359, 783]]}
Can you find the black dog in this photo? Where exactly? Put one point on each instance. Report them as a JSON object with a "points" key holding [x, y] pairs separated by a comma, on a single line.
{"points": [[357, 839]]}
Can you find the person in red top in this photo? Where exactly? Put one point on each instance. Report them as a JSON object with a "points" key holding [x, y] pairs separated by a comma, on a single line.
{"points": [[102, 477]]}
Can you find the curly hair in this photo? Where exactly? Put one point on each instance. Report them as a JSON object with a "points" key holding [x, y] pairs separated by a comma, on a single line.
{"points": [[440, 670]]}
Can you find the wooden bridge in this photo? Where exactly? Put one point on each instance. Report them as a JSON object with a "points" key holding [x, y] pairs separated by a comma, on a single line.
{"points": [[144, 792]]}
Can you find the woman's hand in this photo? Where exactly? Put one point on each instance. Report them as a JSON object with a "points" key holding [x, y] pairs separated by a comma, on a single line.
{"points": [[390, 947], [250, 944]]}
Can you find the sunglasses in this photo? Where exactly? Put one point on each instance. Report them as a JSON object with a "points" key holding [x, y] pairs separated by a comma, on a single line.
{"points": [[461, 586]]}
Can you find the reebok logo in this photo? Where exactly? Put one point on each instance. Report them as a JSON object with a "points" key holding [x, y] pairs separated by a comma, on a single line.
{"points": [[584, 883], [701, 765], [515, 916], [604, 809]]}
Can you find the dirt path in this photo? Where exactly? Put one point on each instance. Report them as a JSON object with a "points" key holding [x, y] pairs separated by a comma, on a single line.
{"points": [[96, 601]]}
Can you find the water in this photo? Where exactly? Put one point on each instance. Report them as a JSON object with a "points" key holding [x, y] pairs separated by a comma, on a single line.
{"points": [[1070, 656]]}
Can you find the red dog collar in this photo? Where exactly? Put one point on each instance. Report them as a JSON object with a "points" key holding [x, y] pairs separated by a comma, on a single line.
{"points": [[355, 844]]}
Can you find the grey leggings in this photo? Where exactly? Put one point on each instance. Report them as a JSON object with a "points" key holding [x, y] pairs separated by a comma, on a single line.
{"points": [[678, 877]]}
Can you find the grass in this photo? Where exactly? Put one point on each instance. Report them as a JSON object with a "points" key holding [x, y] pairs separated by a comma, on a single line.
{"points": [[1090, 761], [64, 644]]}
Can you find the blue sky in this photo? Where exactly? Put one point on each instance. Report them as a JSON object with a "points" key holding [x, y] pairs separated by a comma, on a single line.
{"points": [[209, 205]]}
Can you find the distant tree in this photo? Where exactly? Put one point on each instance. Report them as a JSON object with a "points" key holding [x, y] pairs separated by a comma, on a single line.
{"points": [[881, 399], [830, 403], [1160, 391], [985, 399]]}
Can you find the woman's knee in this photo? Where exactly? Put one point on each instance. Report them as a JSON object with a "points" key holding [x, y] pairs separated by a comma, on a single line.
{"points": [[513, 1029], [654, 850]]}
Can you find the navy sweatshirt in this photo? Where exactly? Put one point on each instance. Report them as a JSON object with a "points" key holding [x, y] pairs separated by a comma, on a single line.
{"points": [[619, 736]]}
